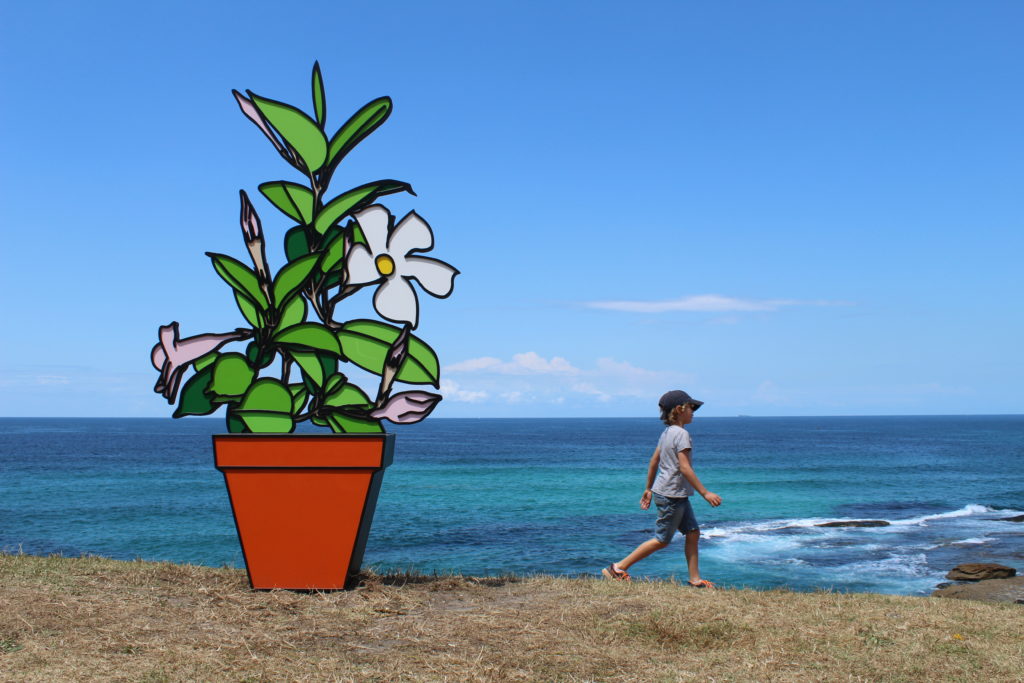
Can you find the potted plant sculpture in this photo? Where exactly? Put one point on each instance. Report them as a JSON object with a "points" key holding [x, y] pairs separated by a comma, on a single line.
{"points": [[303, 503]]}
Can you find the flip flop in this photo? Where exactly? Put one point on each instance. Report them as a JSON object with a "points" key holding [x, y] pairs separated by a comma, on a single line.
{"points": [[703, 583], [610, 572]]}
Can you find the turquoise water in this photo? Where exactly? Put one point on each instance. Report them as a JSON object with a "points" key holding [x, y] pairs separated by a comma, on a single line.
{"points": [[560, 496]]}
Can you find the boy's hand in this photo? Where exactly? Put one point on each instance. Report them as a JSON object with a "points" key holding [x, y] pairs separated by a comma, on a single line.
{"points": [[645, 500], [713, 498]]}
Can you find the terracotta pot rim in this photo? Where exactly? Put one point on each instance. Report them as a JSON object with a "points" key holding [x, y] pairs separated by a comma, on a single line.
{"points": [[325, 435]]}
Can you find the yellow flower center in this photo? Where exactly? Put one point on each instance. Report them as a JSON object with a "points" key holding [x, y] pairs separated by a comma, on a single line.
{"points": [[385, 264]]}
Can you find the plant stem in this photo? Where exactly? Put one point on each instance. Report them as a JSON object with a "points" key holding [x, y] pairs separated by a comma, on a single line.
{"points": [[314, 299]]}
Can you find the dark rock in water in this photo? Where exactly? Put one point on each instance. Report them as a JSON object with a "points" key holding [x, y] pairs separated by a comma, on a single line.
{"points": [[996, 590], [857, 522], [945, 584], [1018, 518], [980, 571]]}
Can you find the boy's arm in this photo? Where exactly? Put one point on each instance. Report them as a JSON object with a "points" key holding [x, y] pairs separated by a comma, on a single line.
{"points": [[687, 471], [652, 471]]}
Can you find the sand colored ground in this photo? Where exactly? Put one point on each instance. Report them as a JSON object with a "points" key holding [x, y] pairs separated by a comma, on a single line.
{"points": [[91, 619]]}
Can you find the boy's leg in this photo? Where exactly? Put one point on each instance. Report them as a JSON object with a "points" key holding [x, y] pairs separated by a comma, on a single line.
{"points": [[643, 550], [692, 538], [670, 515], [691, 530]]}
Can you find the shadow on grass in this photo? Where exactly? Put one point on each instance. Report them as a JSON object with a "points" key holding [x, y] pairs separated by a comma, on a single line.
{"points": [[403, 578]]}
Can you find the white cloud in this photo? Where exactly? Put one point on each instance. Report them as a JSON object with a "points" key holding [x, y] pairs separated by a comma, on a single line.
{"points": [[474, 364], [624, 369], [703, 303], [521, 364], [531, 378], [590, 390], [451, 390], [47, 379], [52, 379]]}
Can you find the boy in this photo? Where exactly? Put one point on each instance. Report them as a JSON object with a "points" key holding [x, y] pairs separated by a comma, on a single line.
{"points": [[671, 489]]}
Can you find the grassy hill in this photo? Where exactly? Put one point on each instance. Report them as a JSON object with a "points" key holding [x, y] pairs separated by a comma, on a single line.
{"points": [[84, 619]]}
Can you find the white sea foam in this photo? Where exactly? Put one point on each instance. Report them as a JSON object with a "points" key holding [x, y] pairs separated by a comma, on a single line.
{"points": [[965, 542], [975, 541], [728, 531], [970, 510], [908, 564]]}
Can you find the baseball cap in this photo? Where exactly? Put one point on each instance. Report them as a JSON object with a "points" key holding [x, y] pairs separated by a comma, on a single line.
{"points": [[677, 397]]}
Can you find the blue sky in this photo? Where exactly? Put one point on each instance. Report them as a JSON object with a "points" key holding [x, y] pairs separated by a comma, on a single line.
{"points": [[786, 208]]}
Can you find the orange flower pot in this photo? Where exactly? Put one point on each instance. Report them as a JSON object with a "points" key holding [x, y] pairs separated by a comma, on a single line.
{"points": [[303, 503]]}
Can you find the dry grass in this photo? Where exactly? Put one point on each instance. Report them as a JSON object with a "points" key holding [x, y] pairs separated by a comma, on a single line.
{"points": [[84, 619]]}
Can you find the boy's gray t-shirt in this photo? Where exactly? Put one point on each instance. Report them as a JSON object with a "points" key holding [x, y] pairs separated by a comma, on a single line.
{"points": [[670, 481]]}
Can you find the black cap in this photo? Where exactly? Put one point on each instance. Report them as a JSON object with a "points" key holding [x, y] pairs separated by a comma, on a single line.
{"points": [[677, 397]]}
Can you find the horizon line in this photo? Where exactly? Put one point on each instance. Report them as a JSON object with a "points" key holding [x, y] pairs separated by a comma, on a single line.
{"points": [[193, 418]]}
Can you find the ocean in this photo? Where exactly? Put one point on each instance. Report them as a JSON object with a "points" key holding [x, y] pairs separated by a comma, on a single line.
{"points": [[560, 496]]}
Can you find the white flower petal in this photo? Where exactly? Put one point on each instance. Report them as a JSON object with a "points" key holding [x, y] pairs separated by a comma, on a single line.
{"points": [[374, 221], [361, 268], [396, 301], [412, 232], [437, 277]]}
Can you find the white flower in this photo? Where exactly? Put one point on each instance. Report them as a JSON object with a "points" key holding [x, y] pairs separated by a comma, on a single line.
{"points": [[390, 259]]}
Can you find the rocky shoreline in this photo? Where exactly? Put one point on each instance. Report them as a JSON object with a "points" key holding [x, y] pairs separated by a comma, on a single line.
{"points": [[982, 581]]}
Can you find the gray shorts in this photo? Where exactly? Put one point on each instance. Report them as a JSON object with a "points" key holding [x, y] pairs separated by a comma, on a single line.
{"points": [[673, 513]]}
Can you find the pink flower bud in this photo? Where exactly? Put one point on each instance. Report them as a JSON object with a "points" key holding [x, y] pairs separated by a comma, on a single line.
{"points": [[172, 356], [407, 407], [250, 220], [253, 114]]}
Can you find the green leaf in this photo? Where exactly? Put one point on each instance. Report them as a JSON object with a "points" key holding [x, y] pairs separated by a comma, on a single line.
{"points": [[248, 309], [299, 397], [241, 278], [334, 382], [292, 276], [232, 375], [308, 336], [328, 363], [293, 199], [333, 279], [257, 356], [267, 422], [358, 237], [267, 394], [367, 342], [356, 199], [348, 395], [205, 360], [334, 252], [310, 364], [193, 399], [236, 425], [296, 243], [267, 406], [319, 98], [352, 425], [298, 130], [293, 313], [315, 366], [362, 123]]}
